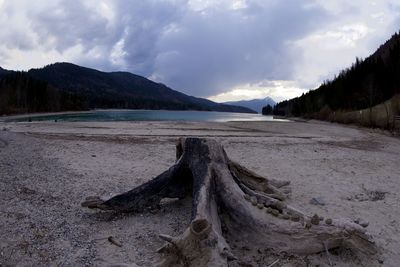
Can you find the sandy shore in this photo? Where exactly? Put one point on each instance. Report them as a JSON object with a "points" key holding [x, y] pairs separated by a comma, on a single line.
{"points": [[48, 168]]}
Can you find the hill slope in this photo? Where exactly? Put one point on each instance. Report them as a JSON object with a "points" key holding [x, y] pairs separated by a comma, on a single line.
{"points": [[254, 104], [20, 93], [121, 90], [365, 84], [3, 72]]}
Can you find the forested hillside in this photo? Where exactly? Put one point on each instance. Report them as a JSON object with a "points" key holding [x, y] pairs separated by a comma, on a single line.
{"points": [[365, 84], [122, 90], [65, 86], [20, 93]]}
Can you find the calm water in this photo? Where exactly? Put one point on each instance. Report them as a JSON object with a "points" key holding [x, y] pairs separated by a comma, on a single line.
{"points": [[150, 115]]}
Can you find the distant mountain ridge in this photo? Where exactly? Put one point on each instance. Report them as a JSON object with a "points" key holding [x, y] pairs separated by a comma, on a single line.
{"points": [[92, 88], [254, 104]]}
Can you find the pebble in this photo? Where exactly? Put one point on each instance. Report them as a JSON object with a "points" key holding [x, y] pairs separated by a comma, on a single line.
{"points": [[328, 221], [315, 219], [253, 201], [295, 218], [275, 212], [279, 205], [317, 201], [361, 222], [260, 206]]}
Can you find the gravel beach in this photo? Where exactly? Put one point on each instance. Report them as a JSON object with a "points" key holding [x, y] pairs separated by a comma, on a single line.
{"points": [[48, 168]]}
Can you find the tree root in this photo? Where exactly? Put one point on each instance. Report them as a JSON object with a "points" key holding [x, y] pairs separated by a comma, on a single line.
{"points": [[252, 208]]}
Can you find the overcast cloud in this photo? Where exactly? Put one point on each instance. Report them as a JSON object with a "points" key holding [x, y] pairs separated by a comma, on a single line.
{"points": [[225, 50]]}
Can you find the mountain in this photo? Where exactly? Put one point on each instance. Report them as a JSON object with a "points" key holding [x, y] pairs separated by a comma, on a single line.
{"points": [[365, 84], [65, 86], [254, 104], [122, 90]]}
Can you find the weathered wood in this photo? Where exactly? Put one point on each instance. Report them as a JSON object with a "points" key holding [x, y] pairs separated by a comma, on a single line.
{"points": [[252, 207]]}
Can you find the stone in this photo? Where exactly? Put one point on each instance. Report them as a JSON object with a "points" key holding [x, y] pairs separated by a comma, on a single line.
{"points": [[275, 212], [295, 218], [253, 201], [315, 219], [279, 205], [317, 201]]}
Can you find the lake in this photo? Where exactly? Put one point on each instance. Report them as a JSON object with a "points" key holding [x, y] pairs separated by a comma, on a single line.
{"points": [[146, 115]]}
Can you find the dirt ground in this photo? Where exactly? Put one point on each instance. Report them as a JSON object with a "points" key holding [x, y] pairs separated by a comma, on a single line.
{"points": [[48, 168]]}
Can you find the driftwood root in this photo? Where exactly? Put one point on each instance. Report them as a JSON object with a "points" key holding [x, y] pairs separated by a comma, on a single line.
{"points": [[250, 207]]}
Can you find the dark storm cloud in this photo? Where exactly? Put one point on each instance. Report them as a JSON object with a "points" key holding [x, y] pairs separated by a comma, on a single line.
{"points": [[66, 24], [71, 23], [144, 24], [199, 51], [221, 48]]}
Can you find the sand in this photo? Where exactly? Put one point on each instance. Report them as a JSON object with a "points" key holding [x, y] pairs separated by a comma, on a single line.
{"points": [[48, 168]]}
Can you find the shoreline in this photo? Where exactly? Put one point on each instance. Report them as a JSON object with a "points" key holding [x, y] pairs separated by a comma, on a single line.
{"points": [[216, 117], [41, 114], [4, 118]]}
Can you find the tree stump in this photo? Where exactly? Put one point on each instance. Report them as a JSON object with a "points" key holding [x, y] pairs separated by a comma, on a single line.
{"points": [[250, 206]]}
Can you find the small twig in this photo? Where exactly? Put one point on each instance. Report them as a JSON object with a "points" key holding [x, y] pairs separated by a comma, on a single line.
{"points": [[114, 241], [167, 238], [327, 253], [101, 238], [275, 262]]}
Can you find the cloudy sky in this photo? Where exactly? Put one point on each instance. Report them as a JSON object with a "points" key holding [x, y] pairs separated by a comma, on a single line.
{"points": [[223, 50]]}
